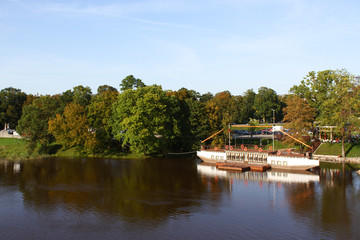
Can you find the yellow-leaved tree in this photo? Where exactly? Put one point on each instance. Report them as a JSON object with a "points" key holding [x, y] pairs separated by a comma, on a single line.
{"points": [[71, 129], [299, 117]]}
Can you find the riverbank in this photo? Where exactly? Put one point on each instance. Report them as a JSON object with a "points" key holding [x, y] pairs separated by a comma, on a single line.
{"points": [[17, 149], [331, 152]]}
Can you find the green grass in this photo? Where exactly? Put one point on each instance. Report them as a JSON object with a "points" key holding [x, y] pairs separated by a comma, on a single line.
{"points": [[351, 149], [11, 148]]}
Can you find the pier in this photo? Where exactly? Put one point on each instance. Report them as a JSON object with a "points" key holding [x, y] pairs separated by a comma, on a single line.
{"points": [[241, 167]]}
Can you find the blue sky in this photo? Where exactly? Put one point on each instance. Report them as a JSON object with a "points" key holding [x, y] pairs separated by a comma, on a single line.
{"points": [[48, 47]]}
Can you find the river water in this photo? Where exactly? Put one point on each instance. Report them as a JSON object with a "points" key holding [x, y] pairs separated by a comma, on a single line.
{"points": [[173, 199]]}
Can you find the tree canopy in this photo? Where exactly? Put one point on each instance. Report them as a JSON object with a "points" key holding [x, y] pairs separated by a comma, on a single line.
{"points": [[130, 82], [72, 128], [334, 94], [143, 119], [148, 120], [11, 103], [299, 117], [34, 121], [265, 102]]}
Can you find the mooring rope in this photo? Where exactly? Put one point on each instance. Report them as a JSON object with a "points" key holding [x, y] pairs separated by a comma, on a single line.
{"points": [[182, 153]]}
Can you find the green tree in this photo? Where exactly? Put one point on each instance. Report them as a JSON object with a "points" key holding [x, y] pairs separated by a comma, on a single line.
{"points": [[248, 108], [105, 88], [335, 96], [65, 98], [206, 97], [314, 87], [144, 119], [99, 113], [238, 114], [342, 106], [82, 95], [11, 103], [130, 82], [190, 117], [34, 121], [253, 122], [265, 102]]}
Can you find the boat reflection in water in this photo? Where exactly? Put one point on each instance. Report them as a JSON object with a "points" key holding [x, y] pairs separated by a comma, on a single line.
{"points": [[268, 176]]}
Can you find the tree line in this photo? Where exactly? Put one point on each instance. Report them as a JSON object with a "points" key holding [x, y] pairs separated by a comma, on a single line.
{"points": [[148, 120]]}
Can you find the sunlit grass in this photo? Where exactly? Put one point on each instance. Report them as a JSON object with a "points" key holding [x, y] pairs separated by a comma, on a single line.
{"points": [[351, 149], [11, 148]]}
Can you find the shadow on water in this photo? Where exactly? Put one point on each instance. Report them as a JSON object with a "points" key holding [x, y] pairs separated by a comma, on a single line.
{"points": [[138, 190], [159, 198]]}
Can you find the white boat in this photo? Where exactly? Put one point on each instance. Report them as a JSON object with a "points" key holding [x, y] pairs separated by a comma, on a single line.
{"points": [[276, 160]]}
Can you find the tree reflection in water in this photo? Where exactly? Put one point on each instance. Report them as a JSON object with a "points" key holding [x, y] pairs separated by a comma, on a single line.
{"points": [[134, 190], [104, 195], [331, 205]]}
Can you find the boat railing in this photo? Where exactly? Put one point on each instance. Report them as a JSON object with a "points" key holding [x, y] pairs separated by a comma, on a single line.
{"points": [[241, 147], [289, 152]]}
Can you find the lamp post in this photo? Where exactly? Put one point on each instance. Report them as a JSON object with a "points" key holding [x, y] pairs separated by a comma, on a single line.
{"points": [[229, 137], [273, 130]]}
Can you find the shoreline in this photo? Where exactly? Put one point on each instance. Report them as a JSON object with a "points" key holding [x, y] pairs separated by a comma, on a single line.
{"points": [[336, 159]]}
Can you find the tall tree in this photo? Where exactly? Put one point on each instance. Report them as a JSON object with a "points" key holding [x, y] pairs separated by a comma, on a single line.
{"points": [[189, 117], [105, 88], [265, 102], [11, 103], [144, 119], [247, 106], [299, 117], [341, 108], [238, 113], [314, 87], [335, 96], [130, 82], [65, 98], [220, 113], [82, 95], [34, 121], [99, 113], [206, 97], [72, 129]]}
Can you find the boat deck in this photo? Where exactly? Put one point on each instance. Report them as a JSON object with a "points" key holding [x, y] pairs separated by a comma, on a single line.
{"points": [[243, 167]]}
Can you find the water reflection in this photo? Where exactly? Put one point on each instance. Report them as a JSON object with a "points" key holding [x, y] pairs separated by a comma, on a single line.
{"points": [[155, 197], [138, 190], [328, 200], [269, 176]]}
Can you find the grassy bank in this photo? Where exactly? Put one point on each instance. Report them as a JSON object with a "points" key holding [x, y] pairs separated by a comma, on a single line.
{"points": [[351, 149], [11, 148]]}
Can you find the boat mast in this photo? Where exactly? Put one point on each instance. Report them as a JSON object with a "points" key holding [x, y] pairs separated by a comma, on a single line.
{"points": [[229, 136]]}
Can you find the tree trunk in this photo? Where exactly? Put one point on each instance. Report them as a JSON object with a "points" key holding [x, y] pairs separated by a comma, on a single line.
{"points": [[343, 147]]}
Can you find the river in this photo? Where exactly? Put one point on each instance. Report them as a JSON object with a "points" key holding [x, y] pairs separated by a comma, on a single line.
{"points": [[62, 198]]}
